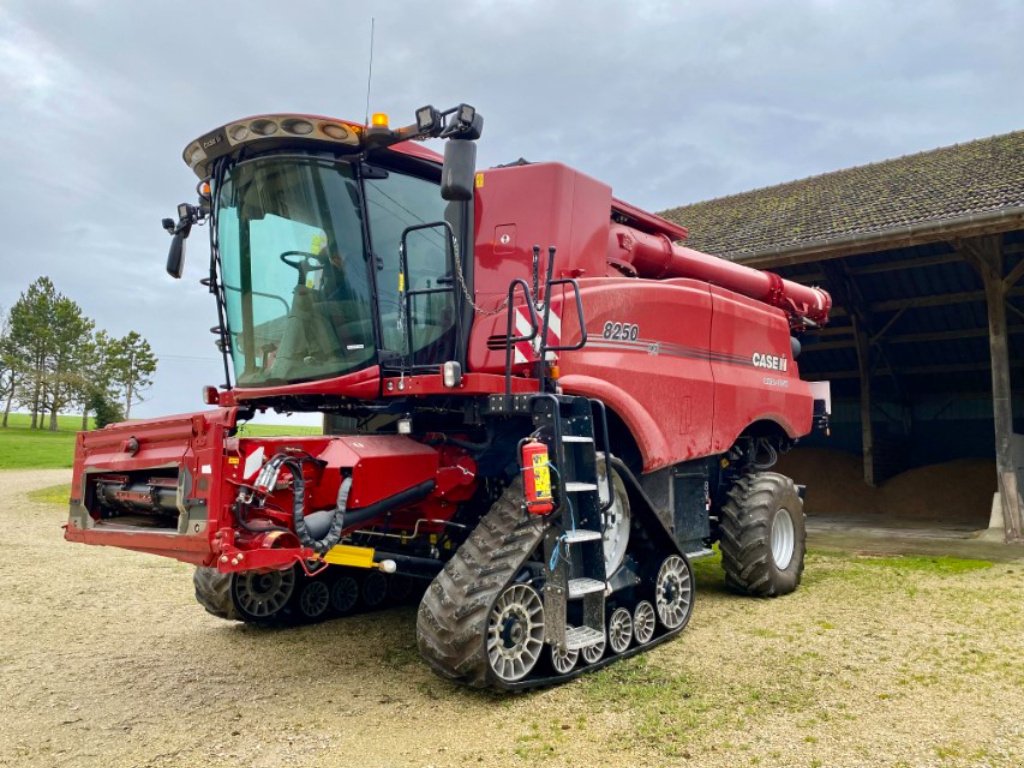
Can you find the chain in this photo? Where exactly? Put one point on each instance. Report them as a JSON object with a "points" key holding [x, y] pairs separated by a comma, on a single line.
{"points": [[465, 289]]}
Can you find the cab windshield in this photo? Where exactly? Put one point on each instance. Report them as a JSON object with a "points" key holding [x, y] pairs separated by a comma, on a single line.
{"points": [[299, 296]]}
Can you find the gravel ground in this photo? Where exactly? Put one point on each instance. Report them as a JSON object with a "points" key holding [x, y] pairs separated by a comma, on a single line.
{"points": [[107, 661]]}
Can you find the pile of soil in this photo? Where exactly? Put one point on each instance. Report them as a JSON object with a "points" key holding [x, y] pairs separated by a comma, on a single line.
{"points": [[957, 491]]}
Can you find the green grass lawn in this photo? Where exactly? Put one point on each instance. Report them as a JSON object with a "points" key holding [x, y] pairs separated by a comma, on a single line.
{"points": [[23, 448]]}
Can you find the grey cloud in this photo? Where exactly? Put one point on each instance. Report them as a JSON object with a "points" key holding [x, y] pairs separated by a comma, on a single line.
{"points": [[668, 102]]}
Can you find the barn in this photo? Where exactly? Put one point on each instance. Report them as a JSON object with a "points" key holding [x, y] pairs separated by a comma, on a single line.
{"points": [[924, 258]]}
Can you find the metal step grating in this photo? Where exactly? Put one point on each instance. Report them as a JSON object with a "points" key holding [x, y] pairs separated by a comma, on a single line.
{"points": [[582, 637], [581, 535], [580, 587], [577, 487]]}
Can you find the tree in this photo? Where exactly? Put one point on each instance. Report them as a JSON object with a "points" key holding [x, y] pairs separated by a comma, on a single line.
{"points": [[64, 368], [31, 342], [96, 379], [132, 365], [106, 409], [9, 365]]}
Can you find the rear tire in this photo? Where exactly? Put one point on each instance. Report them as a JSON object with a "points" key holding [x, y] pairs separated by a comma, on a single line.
{"points": [[763, 535]]}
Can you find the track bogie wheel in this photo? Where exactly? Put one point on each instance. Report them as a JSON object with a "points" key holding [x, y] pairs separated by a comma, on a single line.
{"points": [[314, 599], [593, 653], [673, 592], [374, 589], [644, 622], [763, 538], [563, 661], [400, 588], [344, 593], [620, 630]]}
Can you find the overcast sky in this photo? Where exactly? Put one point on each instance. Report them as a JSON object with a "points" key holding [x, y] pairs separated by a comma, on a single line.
{"points": [[669, 102]]}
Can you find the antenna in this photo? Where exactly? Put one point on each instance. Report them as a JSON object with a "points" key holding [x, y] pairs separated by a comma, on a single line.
{"points": [[369, 75]]}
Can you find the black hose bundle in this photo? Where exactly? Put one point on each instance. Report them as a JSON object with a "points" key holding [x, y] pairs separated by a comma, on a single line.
{"points": [[302, 530]]}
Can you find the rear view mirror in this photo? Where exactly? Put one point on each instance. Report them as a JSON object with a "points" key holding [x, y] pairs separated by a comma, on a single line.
{"points": [[458, 170], [176, 256]]}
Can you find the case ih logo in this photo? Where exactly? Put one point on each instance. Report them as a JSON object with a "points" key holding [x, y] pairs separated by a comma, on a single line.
{"points": [[771, 362]]}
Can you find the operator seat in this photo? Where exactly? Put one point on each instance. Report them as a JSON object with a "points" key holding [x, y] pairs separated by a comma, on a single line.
{"points": [[309, 345]]}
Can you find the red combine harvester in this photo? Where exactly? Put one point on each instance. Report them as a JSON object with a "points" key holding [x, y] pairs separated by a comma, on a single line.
{"points": [[535, 401]]}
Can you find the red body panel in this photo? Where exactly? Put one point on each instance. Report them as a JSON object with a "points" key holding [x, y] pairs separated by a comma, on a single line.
{"points": [[691, 377], [209, 467]]}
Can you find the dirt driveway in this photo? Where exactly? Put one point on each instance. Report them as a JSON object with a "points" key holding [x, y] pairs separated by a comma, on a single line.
{"points": [[106, 660]]}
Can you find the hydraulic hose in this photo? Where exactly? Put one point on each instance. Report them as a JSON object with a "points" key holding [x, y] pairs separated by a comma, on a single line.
{"points": [[333, 535]]}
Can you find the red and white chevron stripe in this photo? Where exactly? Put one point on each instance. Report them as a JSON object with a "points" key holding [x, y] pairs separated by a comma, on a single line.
{"points": [[527, 352]]}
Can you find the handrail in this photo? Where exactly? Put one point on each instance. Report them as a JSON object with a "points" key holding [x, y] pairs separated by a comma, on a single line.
{"points": [[407, 295], [510, 340]]}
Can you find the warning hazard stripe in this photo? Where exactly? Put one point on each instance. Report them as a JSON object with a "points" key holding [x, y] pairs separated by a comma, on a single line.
{"points": [[527, 352]]}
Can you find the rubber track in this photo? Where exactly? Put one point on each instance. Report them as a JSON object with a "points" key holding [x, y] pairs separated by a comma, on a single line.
{"points": [[451, 624], [746, 541], [213, 592]]}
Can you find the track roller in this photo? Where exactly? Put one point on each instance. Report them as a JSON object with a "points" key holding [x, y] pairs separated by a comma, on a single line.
{"points": [[644, 622], [620, 630], [314, 599]]}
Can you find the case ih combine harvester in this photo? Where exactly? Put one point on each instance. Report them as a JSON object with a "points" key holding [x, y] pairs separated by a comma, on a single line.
{"points": [[547, 434]]}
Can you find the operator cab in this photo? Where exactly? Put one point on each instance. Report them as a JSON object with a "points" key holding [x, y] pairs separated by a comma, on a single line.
{"points": [[309, 263], [332, 250]]}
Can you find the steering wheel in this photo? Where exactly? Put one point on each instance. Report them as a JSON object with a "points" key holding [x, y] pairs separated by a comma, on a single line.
{"points": [[304, 263]]}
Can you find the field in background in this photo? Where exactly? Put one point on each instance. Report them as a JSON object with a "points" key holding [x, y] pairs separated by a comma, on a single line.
{"points": [[23, 448]]}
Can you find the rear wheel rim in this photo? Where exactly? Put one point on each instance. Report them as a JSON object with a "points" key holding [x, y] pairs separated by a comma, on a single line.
{"points": [[515, 633], [620, 630], [315, 599], [674, 590], [615, 520], [783, 539], [261, 595], [644, 622]]}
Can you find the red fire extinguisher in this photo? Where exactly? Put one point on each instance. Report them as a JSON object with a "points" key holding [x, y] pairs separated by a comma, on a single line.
{"points": [[536, 478]]}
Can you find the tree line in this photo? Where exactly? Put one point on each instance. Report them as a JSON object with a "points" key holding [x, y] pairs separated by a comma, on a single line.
{"points": [[54, 360]]}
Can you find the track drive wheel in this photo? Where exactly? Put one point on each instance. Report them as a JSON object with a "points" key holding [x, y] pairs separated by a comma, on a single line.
{"points": [[763, 535], [261, 596], [477, 624]]}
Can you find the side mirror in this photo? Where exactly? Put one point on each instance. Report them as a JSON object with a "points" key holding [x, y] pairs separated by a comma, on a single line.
{"points": [[458, 170], [176, 256]]}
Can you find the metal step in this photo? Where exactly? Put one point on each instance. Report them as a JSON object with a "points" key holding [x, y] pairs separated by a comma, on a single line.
{"points": [[582, 534], [699, 554], [576, 439], [577, 487], [582, 637], [580, 587]]}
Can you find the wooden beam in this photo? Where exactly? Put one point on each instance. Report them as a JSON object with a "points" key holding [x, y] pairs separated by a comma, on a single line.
{"points": [[1015, 275], [898, 264], [936, 300], [913, 370], [845, 292], [917, 338], [985, 254]]}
